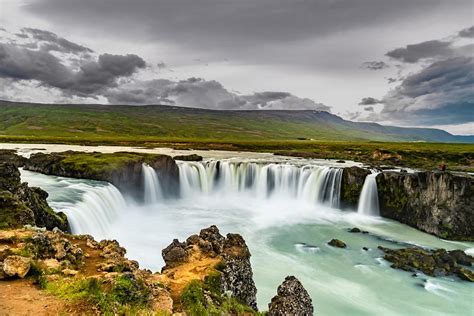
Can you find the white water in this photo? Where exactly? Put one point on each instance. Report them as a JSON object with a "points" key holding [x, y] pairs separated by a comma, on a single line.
{"points": [[286, 213], [311, 183], [369, 199], [152, 186]]}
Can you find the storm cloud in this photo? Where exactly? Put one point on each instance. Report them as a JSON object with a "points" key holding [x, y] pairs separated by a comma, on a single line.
{"points": [[369, 101], [200, 93], [20, 63], [439, 94], [49, 41], [415, 52], [375, 65]]}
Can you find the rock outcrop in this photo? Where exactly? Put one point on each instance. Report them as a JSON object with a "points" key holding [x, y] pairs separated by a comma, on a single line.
{"points": [[94, 274], [291, 299], [23, 205], [192, 157], [10, 156], [352, 182], [122, 169], [438, 203], [437, 262], [230, 256]]}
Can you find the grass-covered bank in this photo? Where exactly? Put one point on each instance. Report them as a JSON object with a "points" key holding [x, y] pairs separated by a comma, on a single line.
{"points": [[459, 157]]}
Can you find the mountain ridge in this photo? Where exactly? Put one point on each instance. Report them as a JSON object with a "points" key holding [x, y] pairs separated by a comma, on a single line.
{"points": [[24, 118]]}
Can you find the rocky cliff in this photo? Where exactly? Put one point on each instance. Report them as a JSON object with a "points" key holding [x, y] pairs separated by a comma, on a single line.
{"points": [[438, 203], [221, 263], [21, 205], [352, 182], [122, 169]]}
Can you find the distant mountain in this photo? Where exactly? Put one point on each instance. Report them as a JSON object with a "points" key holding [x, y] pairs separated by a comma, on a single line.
{"points": [[156, 122]]}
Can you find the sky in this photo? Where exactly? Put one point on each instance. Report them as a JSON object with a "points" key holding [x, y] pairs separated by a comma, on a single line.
{"points": [[398, 62]]}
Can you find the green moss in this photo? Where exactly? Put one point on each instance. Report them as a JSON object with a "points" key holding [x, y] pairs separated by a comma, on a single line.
{"points": [[125, 296], [205, 298]]}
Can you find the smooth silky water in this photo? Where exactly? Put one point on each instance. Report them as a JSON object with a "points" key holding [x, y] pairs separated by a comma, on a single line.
{"points": [[287, 212]]}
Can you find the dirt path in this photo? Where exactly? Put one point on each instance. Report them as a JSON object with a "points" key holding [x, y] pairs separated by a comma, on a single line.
{"points": [[20, 297]]}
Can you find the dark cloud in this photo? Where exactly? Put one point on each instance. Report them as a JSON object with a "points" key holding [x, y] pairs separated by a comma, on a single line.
{"points": [[19, 63], [369, 109], [200, 93], [439, 94], [49, 41], [375, 65], [415, 52], [469, 32], [369, 101], [243, 29]]}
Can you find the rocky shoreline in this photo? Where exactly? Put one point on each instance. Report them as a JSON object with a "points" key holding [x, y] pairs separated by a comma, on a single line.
{"points": [[208, 274]]}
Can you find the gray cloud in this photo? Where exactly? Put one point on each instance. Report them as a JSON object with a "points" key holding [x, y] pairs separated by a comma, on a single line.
{"points": [[375, 65], [439, 94], [49, 41], [20, 63], [200, 93], [469, 32], [415, 52], [255, 30], [369, 101], [369, 109]]}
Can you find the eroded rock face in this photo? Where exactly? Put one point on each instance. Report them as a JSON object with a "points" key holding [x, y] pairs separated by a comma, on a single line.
{"points": [[352, 182], [192, 157], [291, 299], [23, 205], [125, 173], [234, 256], [437, 262], [438, 203], [10, 156]]}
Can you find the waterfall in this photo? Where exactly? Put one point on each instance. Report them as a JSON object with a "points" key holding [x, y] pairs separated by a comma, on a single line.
{"points": [[262, 180], [98, 207], [152, 187], [369, 200]]}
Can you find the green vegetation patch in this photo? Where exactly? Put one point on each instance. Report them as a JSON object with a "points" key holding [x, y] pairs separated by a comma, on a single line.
{"points": [[205, 298], [123, 295]]}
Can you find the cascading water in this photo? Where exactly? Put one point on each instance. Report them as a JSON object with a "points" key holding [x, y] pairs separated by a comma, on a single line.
{"points": [[152, 187], [311, 183], [369, 199]]}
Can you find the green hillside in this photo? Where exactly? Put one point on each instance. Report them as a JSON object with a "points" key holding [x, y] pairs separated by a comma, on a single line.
{"points": [[164, 123]]}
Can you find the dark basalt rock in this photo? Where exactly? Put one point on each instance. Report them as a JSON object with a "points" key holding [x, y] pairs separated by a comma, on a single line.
{"points": [[192, 157], [122, 169], [23, 205], [437, 262], [352, 182], [291, 299], [235, 269], [337, 243], [355, 230], [10, 156], [439, 203]]}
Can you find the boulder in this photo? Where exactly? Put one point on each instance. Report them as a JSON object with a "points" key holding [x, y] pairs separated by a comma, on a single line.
{"points": [[16, 266], [337, 243], [291, 299]]}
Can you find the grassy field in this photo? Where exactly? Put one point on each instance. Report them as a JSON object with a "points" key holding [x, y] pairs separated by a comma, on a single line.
{"points": [[298, 133]]}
